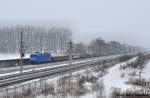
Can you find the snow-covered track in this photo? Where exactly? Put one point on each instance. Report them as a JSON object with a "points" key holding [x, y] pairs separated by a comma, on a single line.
{"points": [[30, 75]]}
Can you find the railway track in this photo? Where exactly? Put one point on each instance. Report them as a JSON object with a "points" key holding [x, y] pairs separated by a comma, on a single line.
{"points": [[9, 80], [29, 67]]}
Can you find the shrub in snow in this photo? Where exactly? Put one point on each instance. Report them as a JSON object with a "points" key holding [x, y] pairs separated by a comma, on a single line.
{"points": [[125, 58], [26, 92], [115, 92], [98, 68], [131, 93], [98, 85], [134, 73], [81, 81], [138, 82], [49, 89], [136, 93], [67, 85], [138, 63]]}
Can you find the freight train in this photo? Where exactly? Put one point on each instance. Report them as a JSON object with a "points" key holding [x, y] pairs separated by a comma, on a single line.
{"points": [[38, 58]]}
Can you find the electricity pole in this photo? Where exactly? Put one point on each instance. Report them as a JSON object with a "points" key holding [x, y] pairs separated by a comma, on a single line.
{"points": [[70, 52], [22, 52]]}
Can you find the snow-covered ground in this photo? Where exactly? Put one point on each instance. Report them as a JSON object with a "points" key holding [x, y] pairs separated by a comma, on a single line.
{"points": [[146, 71], [112, 79], [6, 56]]}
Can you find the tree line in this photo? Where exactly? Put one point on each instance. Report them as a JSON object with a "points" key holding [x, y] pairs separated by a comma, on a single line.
{"points": [[55, 40], [100, 47]]}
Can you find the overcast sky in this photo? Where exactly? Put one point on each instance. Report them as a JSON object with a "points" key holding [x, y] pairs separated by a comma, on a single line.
{"points": [[127, 21]]}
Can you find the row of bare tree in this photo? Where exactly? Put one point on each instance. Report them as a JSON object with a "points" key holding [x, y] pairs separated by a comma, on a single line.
{"points": [[99, 47], [35, 39], [56, 41]]}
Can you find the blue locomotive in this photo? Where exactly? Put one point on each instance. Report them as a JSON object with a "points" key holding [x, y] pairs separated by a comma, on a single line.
{"points": [[40, 57]]}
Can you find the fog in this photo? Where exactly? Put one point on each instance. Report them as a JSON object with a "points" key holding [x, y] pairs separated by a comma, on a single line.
{"points": [[126, 21]]}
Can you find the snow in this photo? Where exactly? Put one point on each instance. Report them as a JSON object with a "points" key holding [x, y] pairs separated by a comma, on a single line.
{"points": [[16, 72], [89, 96], [88, 85], [146, 71], [113, 78], [6, 56], [85, 96]]}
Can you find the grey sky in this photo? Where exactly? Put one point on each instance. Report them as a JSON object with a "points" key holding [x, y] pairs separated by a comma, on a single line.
{"points": [[127, 21]]}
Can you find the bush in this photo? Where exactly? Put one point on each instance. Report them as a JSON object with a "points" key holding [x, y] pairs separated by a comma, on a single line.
{"points": [[138, 82], [138, 64]]}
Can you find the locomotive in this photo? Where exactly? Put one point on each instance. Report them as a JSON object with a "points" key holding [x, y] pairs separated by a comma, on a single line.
{"points": [[40, 57]]}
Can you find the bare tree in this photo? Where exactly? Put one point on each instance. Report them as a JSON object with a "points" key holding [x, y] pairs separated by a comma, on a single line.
{"points": [[97, 47], [80, 49]]}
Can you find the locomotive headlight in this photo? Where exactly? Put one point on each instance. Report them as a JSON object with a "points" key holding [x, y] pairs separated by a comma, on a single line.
{"points": [[33, 58]]}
